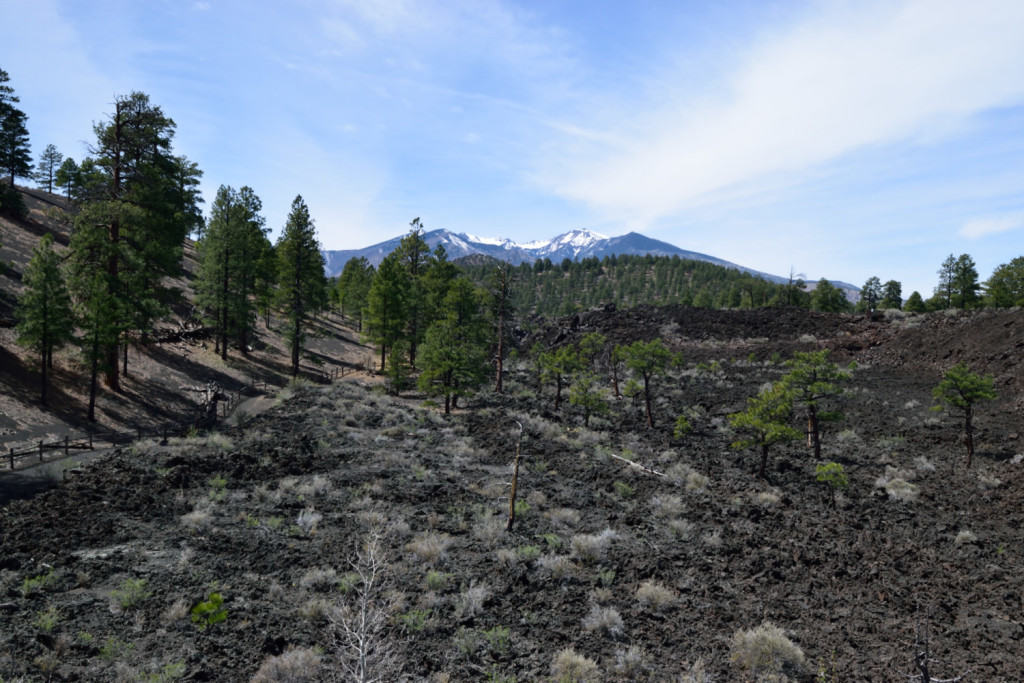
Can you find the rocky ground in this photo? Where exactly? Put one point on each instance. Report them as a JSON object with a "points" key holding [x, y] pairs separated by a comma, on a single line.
{"points": [[112, 576]]}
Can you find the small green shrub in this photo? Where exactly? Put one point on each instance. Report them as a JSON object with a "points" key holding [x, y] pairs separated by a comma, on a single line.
{"points": [[570, 667], [498, 639], [131, 593], [414, 620], [765, 651], [521, 507], [47, 619], [833, 475], [209, 612], [437, 581], [553, 541], [622, 489], [528, 552], [38, 584], [114, 649], [682, 428]]}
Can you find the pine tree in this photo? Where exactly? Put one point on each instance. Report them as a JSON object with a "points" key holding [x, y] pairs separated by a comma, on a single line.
{"points": [[915, 303], [454, 353], [648, 359], [300, 275], [386, 305], [45, 320], [964, 286], [870, 295], [15, 155], [1005, 288], [813, 380], [944, 290], [892, 295], [139, 202], [765, 422], [354, 288], [68, 176], [961, 388], [46, 169], [414, 253]]}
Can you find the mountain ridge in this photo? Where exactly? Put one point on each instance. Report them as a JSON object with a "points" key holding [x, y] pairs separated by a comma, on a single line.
{"points": [[576, 244]]}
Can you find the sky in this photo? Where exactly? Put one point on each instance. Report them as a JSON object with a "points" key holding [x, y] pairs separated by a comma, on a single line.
{"points": [[834, 139]]}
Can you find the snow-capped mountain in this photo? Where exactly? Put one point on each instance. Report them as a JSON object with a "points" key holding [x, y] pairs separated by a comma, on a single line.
{"points": [[574, 245]]}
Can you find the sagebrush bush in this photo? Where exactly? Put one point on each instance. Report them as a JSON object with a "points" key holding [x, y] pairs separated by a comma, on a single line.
{"points": [[471, 601], [592, 547], [430, 547], [319, 578], [895, 484], [563, 517], [631, 662], [560, 566], [294, 665], [654, 595], [766, 651], [570, 667], [965, 536], [605, 619]]}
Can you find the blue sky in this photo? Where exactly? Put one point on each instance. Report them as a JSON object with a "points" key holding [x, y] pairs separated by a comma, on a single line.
{"points": [[844, 139]]}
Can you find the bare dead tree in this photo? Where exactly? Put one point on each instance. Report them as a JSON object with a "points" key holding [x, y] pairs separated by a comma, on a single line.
{"points": [[923, 659], [515, 481], [366, 649]]}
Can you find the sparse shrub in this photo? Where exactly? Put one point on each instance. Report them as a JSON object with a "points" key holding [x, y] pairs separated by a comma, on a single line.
{"points": [[318, 485], [528, 552], [654, 595], [319, 578], [294, 665], [570, 667], [430, 547], [667, 505], [697, 673], [987, 482], [307, 520], [564, 517], [201, 516], [177, 611], [522, 507], [767, 498], [47, 619], [467, 641], [895, 483], [209, 612], [218, 487], [765, 651], [38, 584], [489, 528], [713, 539], [471, 601], [606, 576], [553, 541], [605, 619], [415, 620], [965, 536], [437, 581], [498, 638], [682, 427], [560, 566], [622, 489], [592, 547], [631, 662], [923, 464], [682, 528], [131, 593]]}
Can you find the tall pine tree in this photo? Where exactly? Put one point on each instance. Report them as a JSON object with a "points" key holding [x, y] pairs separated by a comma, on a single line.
{"points": [[46, 169], [300, 276], [15, 155], [45, 320], [386, 305]]}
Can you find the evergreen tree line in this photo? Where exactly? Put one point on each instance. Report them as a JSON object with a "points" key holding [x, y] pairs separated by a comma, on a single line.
{"points": [[428, 319], [133, 202]]}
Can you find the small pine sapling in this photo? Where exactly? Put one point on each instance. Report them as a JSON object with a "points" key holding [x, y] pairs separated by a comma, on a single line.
{"points": [[765, 421], [961, 388], [833, 475]]}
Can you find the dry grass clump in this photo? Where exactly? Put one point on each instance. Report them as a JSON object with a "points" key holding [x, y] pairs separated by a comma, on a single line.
{"points": [[682, 528], [767, 498], [697, 673], [489, 529], [605, 619], [317, 485], [667, 505], [430, 547], [965, 536], [176, 612], [570, 667], [987, 482], [683, 475], [654, 595], [560, 566], [563, 517], [319, 578], [308, 520], [766, 653], [592, 547], [895, 483], [294, 665], [631, 662], [201, 516], [471, 601]]}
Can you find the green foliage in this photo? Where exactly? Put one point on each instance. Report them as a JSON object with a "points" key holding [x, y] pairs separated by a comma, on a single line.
{"points": [[39, 583], [415, 621], [587, 394], [15, 155], [300, 276], [961, 388], [892, 295], [11, 202], [209, 612], [45, 318], [648, 360], [47, 619], [833, 475], [626, 280], [498, 639], [557, 366], [68, 176], [354, 287], [1005, 288], [46, 169], [622, 489], [828, 298], [131, 593], [870, 295], [765, 421], [231, 256], [813, 380], [682, 427], [915, 303], [114, 649], [437, 581], [386, 305]]}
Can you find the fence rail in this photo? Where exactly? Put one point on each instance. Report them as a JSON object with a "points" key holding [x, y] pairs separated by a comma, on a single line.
{"points": [[87, 441]]}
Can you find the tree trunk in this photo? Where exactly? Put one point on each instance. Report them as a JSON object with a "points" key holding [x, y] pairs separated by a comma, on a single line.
{"points": [[812, 428], [615, 379], [383, 357], [447, 403], [42, 388], [969, 433], [501, 351], [224, 308], [93, 377], [558, 392], [647, 402], [763, 473], [124, 354]]}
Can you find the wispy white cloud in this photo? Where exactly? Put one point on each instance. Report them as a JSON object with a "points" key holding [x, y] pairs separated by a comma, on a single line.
{"points": [[991, 225], [850, 76]]}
